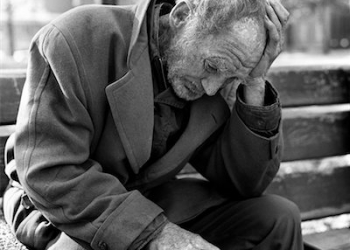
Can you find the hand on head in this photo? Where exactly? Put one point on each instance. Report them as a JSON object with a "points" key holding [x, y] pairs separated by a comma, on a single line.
{"points": [[275, 22]]}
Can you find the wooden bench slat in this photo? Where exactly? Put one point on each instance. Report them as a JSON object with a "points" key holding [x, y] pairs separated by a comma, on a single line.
{"points": [[313, 132], [316, 132], [330, 240], [11, 85], [299, 86], [320, 187]]}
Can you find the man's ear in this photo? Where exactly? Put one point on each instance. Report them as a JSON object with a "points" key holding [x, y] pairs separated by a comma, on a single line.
{"points": [[179, 14]]}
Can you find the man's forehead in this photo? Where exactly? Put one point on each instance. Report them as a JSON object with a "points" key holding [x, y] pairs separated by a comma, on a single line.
{"points": [[244, 41], [248, 32]]}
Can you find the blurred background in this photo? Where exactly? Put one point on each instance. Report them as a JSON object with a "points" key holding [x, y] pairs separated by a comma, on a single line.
{"points": [[318, 32]]}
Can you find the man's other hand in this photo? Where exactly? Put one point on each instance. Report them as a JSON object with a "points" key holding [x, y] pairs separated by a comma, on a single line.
{"points": [[173, 237], [275, 22]]}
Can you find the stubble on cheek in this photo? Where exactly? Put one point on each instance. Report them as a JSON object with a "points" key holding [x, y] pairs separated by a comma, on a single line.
{"points": [[179, 64]]}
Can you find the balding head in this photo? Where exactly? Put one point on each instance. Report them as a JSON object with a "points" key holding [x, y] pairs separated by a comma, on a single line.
{"points": [[217, 16], [250, 33]]}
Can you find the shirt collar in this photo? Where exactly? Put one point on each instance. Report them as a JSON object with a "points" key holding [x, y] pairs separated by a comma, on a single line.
{"points": [[170, 98]]}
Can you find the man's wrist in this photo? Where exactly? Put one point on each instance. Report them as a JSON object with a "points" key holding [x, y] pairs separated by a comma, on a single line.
{"points": [[150, 233], [263, 120], [254, 91], [158, 234]]}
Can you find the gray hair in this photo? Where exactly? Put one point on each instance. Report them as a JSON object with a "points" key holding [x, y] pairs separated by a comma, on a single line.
{"points": [[214, 16]]}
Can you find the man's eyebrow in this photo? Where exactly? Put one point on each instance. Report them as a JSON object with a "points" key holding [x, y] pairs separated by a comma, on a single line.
{"points": [[219, 62], [226, 64], [248, 64]]}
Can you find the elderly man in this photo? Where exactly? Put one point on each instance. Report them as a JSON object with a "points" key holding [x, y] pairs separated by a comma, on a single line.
{"points": [[119, 99]]}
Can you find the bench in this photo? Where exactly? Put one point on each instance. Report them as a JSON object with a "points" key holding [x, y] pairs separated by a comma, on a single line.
{"points": [[315, 172]]}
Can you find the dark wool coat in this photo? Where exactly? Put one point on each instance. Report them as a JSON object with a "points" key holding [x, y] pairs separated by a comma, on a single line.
{"points": [[85, 129]]}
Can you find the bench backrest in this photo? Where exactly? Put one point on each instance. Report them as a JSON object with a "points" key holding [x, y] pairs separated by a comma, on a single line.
{"points": [[315, 172]]}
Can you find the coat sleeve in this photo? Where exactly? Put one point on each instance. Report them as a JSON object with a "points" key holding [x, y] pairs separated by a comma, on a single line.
{"points": [[239, 161], [52, 149]]}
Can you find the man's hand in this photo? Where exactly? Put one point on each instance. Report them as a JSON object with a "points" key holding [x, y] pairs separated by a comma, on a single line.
{"points": [[275, 22], [174, 237]]}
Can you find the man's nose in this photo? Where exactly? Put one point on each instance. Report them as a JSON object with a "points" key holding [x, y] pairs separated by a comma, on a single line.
{"points": [[211, 85]]}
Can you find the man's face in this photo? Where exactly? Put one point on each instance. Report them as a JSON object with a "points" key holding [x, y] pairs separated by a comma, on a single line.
{"points": [[204, 66]]}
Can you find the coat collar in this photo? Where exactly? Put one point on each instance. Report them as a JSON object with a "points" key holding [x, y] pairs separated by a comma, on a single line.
{"points": [[139, 33]]}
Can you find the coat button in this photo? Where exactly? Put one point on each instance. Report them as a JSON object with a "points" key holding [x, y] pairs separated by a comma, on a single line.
{"points": [[102, 245]]}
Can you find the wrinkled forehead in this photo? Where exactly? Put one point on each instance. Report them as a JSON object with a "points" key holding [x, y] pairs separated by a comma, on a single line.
{"points": [[247, 34], [241, 44]]}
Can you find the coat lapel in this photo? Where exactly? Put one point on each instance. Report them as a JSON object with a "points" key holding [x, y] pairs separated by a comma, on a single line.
{"points": [[131, 97], [131, 103]]}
